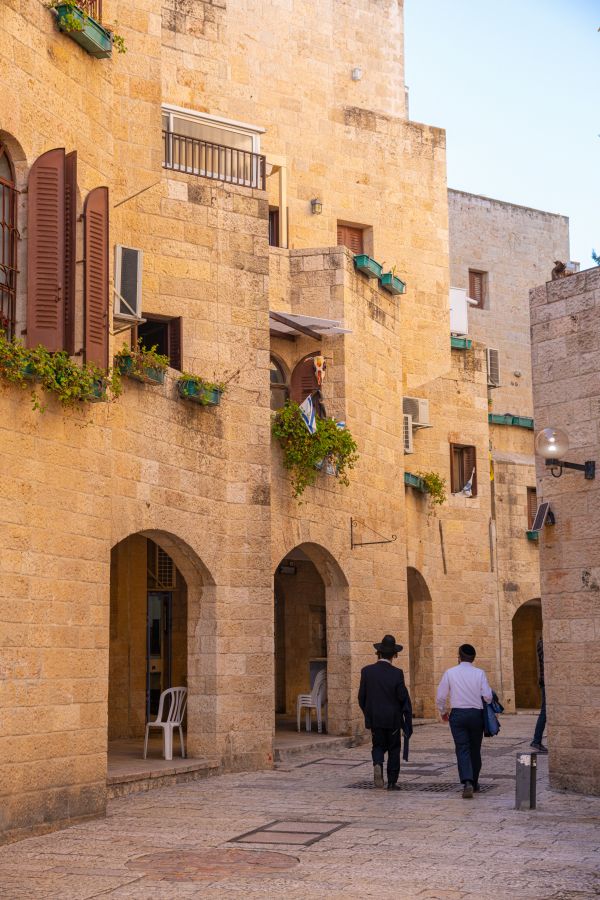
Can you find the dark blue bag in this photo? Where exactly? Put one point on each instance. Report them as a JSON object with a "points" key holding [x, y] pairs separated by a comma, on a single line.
{"points": [[491, 725]]}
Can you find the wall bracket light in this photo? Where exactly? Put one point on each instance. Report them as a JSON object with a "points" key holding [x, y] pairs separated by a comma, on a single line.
{"points": [[552, 444], [316, 206]]}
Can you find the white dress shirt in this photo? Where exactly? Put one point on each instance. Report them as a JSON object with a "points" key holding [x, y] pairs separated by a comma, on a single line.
{"points": [[466, 685]]}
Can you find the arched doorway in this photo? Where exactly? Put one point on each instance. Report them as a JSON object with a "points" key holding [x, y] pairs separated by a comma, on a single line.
{"points": [[420, 630], [527, 629], [161, 633], [311, 634]]}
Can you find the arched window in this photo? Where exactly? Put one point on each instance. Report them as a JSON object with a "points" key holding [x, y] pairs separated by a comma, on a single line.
{"points": [[279, 386], [8, 243], [304, 382]]}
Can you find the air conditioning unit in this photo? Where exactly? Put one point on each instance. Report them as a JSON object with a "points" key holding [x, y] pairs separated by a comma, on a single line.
{"points": [[493, 367], [418, 409], [407, 432], [128, 284]]}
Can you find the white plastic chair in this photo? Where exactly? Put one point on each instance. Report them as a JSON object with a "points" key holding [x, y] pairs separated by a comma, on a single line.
{"points": [[311, 701], [177, 698]]}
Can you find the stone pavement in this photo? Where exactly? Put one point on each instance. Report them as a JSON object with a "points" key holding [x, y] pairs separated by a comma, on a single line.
{"points": [[309, 829]]}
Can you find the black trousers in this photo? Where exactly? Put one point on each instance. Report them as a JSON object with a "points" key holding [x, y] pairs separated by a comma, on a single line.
{"points": [[466, 726], [386, 740]]}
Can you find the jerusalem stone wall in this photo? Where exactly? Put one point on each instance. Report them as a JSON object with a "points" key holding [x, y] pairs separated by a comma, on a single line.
{"points": [[566, 361]]}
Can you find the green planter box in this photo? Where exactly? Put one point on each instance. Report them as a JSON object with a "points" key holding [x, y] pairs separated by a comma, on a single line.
{"points": [[414, 481], [368, 266], [149, 375], [392, 284], [191, 390], [533, 535], [523, 422], [98, 392], [495, 419], [460, 343], [95, 39]]}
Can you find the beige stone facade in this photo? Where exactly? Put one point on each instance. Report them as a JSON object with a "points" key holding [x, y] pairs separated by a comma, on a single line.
{"points": [[89, 495], [565, 345]]}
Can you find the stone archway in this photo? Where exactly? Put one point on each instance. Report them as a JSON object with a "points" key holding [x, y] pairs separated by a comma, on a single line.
{"points": [[420, 629], [162, 634], [312, 631], [526, 630]]}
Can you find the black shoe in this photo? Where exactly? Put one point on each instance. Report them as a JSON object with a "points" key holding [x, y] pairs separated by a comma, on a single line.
{"points": [[467, 793], [539, 747], [476, 789], [394, 787], [378, 776]]}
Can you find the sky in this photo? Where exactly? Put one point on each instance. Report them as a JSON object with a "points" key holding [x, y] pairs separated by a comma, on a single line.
{"points": [[515, 84]]}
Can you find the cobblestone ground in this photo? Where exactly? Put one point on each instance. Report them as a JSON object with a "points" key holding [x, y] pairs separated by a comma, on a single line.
{"points": [[309, 830]]}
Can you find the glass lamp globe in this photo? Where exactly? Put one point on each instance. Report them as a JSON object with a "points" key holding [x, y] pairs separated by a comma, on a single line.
{"points": [[552, 443]]}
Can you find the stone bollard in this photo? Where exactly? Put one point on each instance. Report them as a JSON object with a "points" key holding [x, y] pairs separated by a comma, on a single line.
{"points": [[526, 777]]}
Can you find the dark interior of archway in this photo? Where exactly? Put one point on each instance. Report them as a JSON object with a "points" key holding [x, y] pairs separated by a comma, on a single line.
{"points": [[420, 626], [527, 628]]}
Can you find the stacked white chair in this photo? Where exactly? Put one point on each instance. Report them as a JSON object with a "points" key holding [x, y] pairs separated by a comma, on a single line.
{"points": [[315, 700]]}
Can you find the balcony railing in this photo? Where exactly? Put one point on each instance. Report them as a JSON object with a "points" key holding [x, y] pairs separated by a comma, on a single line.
{"points": [[92, 7], [188, 154]]}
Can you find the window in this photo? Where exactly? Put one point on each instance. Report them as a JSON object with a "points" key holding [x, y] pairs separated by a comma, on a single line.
{"points": [[274, 226], [8, 243], [304, 382], [463, 467], [477, 287], [212, 147], [279, 387], [164, 333], [350, 236], [531, 506]]}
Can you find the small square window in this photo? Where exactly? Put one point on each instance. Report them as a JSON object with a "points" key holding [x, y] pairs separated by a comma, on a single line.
{"points": [[351, 237], [463, 468], [478, 287], [531, 506], [165, 333]]}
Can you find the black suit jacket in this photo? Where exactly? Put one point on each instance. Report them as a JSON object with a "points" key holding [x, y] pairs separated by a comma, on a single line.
{"points": [[384, 699]]}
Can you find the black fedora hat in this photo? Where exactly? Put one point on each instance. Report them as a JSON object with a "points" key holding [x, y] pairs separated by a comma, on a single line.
{"points": [[388, 645]]}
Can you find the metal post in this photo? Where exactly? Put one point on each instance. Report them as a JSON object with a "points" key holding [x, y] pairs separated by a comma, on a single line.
{"points": [[525, 794]]}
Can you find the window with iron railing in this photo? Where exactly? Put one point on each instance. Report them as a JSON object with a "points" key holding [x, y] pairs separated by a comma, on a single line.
{"points": [[212, 148], [8, 243]]}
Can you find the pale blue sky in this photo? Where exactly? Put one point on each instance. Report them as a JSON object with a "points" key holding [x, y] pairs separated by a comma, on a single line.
{"points": [[515, 84]]}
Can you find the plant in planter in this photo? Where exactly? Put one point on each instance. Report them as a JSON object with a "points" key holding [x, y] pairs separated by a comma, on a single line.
{"points": [[75, 20], [142, 364], [435, 487], [199, 390], [304, 453]]}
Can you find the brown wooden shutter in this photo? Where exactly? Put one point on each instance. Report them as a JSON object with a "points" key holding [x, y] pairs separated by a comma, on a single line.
{"points": [[303, 381], [95, 284], [470, 463], [46, 250], [531, 505], [476, 287], [70, 249], [348, 236], [175, 340]]}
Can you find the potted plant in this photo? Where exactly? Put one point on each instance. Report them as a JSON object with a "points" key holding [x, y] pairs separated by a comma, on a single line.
{"points": [[74, 19], [198, 390], [368, 266], [142, 364], [331, 448], [391, 283], [435, 486]]}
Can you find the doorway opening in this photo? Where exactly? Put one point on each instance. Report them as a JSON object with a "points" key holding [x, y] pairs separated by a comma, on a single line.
{"points": [[420, 630], [527, 629]]}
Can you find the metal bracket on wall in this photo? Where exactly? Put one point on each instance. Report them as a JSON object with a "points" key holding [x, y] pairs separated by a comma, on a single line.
{"points": [[354, 544]]}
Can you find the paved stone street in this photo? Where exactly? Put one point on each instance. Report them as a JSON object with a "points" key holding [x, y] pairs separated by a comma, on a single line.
{"points": [[310, 829]]}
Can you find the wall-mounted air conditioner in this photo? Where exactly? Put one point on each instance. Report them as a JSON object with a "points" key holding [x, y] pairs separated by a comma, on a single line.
{"points": [[459, 311], [418, 409], [493, 367], [407, 432]]}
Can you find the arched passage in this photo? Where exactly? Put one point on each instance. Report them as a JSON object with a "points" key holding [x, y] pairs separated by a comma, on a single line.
{"points": [[312, 632], [527, 629], [161, 633], [420, 629]]}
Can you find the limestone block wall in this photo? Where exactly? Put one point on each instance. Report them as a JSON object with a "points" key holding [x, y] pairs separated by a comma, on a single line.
{"points": [[566, 361]]}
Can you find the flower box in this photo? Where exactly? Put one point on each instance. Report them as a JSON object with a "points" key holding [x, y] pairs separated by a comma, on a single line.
{"points": [[368, 266], [198, 393], [147, 374], [460, 343], [533, 535], [414, 481], [98, 392], [392, 284], [92, 36]]}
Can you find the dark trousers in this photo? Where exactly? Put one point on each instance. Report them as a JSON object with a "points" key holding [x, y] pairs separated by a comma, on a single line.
{"points": [[540, 725], [386, 740], [466, 726]]}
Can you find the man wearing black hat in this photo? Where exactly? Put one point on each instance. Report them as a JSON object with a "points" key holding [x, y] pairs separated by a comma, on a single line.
{"points": [[466, 686], [384, 700]]}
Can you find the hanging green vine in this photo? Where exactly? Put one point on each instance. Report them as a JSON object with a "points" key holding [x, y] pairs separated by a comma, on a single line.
{"points": [[304, 453], [56, 373], [435, 487]]}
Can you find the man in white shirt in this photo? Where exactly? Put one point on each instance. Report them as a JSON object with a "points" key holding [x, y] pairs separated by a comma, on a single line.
{"points": [[466, 687]]}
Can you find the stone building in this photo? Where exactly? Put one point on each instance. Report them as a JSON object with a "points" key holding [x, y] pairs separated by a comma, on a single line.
{"points": [[566, 393], [220, 191]]}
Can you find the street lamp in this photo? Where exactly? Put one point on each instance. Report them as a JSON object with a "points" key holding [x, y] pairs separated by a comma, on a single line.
{"points": [[552, 444]]}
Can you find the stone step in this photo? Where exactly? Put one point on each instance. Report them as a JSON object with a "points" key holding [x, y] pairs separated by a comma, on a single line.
{"points": [[163, 774]]}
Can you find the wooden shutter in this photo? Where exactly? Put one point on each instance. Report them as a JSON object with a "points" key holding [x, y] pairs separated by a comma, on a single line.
{"points": [[70, 249], [95, 284], [470, 463], [351, 237], [46, 250], [455, 468], [531, 505], [476, 287], [175, 341], [274, 227], [303, 381]]}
